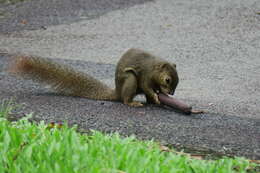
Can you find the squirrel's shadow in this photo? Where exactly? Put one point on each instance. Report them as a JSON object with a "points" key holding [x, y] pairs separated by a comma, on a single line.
{"points": [[146, 105]]}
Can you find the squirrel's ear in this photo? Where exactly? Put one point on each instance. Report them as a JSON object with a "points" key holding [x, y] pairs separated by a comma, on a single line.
{"points": [[161, 66], [164, 65], [130, 69]]}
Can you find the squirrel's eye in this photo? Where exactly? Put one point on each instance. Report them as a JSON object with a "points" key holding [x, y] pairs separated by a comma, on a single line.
{"points": [[167, 80]]}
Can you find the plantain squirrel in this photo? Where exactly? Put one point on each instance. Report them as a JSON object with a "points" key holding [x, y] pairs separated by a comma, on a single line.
{"points": [[137, 72]]}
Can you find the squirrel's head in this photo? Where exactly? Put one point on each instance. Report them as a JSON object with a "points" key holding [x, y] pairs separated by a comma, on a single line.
{"points": [[166, 78]]}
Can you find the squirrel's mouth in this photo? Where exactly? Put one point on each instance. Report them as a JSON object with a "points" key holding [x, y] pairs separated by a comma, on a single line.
{"points": [[164, 91]]}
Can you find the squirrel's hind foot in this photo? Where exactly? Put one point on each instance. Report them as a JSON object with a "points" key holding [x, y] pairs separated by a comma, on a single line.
{"points": [[134, 104]]}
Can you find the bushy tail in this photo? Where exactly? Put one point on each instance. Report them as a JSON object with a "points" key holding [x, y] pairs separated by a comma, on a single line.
{"points": [[61, 78]]}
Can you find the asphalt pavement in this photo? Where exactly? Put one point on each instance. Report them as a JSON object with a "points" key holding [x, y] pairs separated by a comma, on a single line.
{"points": [[215, 44]]}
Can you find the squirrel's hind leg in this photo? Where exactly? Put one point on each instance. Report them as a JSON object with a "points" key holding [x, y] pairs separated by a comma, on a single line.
{"points": [[128, 90]]}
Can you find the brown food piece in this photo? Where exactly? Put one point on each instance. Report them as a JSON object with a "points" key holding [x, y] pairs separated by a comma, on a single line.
{"points": [[174, 103]]}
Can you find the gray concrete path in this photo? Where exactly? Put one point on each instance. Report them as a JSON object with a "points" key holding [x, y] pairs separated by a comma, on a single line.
{"points": [[215, 44]]}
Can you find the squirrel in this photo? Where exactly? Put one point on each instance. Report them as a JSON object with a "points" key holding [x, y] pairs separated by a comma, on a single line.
{"points": [[137, 72]]}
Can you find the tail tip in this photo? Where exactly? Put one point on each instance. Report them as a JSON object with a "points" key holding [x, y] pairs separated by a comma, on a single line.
{"points": [[20, 64]]}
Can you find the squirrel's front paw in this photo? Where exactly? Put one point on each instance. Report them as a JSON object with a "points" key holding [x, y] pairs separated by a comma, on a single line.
{"points": [[156, 99]]}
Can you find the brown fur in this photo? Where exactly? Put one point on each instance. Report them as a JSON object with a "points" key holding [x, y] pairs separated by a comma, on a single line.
{"points": [[137, 72]]}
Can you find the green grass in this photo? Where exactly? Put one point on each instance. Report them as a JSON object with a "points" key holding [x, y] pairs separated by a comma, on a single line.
{"points": [[29, 147], [6, 107]]}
